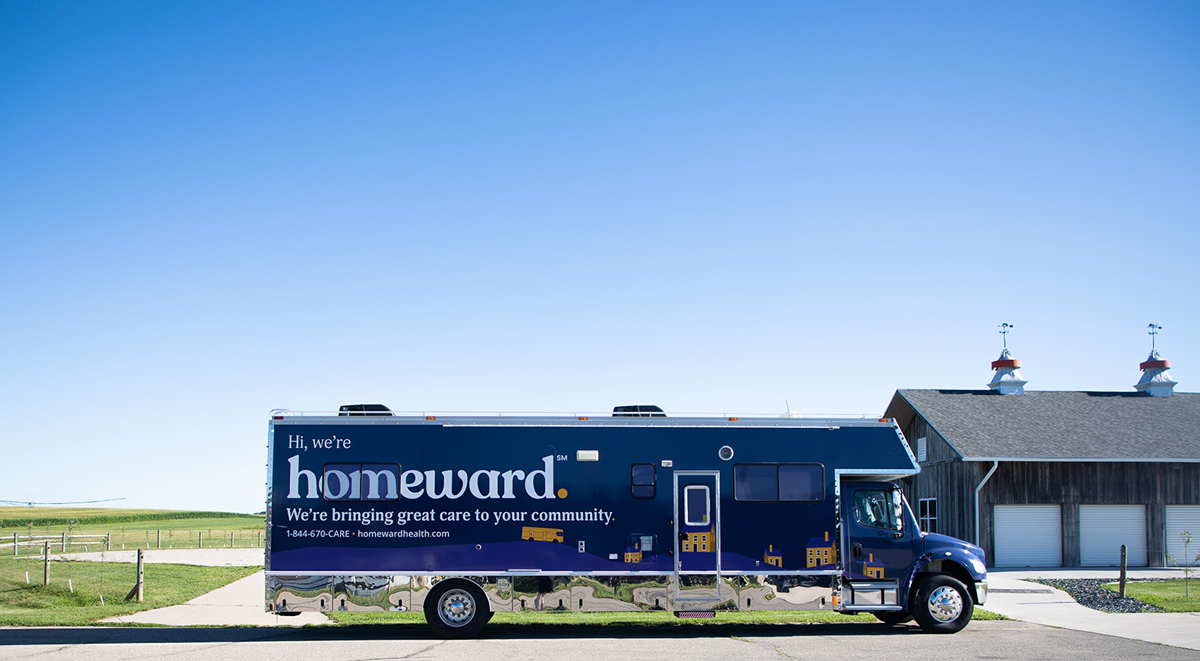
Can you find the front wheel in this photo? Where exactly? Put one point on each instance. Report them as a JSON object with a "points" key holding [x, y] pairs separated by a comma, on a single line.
{"points": [[456, 608], [941, 604]]}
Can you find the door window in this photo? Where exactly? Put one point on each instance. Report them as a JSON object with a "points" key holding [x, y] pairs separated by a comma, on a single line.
{"points": [[696, 505], [878, 509]]}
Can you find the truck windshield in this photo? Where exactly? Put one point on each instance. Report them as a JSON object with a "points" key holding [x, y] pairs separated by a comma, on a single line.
{"points": [[878, 509]]}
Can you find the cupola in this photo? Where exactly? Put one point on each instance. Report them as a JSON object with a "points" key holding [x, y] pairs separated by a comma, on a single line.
{"points": [[1007, 380], [1155, 381]]}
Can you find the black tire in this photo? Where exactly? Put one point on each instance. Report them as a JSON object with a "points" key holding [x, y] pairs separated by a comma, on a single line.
{"points": [[941, 604], [456, 608], [893, 617]]}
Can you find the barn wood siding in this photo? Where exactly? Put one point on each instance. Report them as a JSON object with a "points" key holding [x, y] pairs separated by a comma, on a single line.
{"points": [[1154, 485], [943, 476]]}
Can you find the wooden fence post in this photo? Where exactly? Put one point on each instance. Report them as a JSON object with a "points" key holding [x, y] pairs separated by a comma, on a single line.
{"points": [[158, 537], [108, 541], [230, 539], [141, 579], [14, 543], [46, 568], [1124, 568], [200, 534], [139, 587], [64, 543]]}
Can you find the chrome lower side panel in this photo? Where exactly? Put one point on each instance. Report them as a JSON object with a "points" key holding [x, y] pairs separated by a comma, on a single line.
{"points": [[399, 593]]}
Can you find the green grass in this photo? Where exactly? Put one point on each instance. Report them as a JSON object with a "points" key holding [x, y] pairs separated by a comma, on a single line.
{"points": [[631, 619], [1167, 595], [129, 528], [32, 604]]}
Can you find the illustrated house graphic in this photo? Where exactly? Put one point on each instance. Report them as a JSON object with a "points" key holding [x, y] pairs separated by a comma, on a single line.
{"points": [[772, 557], [702, 542], [820, 552], [633, 555], [872, 568]]}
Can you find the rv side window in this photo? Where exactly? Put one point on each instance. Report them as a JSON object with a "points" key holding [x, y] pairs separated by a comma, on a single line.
{"points": [[642, 480], [695, 505], [779, 482], [801, 482]]}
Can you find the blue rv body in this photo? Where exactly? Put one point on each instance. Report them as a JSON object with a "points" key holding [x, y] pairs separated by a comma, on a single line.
{"points": [[464, 516]]}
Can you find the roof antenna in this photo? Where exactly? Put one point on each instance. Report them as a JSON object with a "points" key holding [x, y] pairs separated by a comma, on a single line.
{"points": [[1004, 330], [1154, 328]]}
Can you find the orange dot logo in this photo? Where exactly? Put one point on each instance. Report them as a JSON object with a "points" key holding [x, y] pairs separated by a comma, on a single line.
{"points": [[562, 493]]}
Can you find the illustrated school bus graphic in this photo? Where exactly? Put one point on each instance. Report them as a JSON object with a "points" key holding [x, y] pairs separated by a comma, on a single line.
{"points": [[871, 568], [702, 542], [772, 557], [820, 552], [533, 534]]}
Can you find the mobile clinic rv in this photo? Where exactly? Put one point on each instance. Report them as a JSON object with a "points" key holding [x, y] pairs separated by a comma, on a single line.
{"points": [[463, 516]]}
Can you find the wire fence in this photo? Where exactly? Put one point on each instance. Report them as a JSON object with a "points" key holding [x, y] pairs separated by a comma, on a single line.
{"points": [[27, 544]]}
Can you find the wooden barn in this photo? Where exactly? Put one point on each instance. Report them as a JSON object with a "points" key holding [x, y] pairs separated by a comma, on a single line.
{"points": [[1057, 479]]}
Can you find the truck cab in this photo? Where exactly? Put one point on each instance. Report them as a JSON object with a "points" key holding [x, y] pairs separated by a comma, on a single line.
{"points": [[893, 570]]}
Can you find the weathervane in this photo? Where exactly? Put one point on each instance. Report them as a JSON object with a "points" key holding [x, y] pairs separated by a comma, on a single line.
{"points": [[1004, 329], [1154, 328]]}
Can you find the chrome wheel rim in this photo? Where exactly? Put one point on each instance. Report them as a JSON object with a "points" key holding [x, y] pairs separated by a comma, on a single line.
{"points": [[456, 608], [945, 604]]}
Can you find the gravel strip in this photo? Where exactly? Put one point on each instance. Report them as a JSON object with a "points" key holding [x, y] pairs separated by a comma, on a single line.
{"points": [[1091, 593]]}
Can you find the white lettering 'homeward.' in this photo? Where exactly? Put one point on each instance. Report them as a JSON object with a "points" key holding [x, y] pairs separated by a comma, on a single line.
{"points": [[383, 483]]}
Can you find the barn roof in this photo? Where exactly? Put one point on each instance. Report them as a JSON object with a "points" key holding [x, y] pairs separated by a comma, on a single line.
{"points": [[982, 425]]}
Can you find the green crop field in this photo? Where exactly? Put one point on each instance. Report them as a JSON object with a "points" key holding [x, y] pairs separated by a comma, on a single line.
{"points": [[123, 528]]}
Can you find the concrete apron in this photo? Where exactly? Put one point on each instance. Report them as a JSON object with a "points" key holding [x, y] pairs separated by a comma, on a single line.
{"points": [[1012, 596], [239, 603]]}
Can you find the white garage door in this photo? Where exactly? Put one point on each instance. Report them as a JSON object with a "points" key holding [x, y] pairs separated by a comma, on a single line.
{"points": [[1028, 535], [1104, 528], [1182, 518]]}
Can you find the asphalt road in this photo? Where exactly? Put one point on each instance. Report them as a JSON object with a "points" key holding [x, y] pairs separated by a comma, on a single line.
{"points": [[980, 640]]}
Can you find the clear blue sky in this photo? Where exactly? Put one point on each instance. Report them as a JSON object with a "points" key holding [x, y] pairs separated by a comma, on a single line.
{"points": [[212, 209]]}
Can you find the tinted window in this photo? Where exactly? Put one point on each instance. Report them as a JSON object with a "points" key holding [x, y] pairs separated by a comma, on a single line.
{"points": [[756, 482], [805, 483], [643, 480], [695, 505], [877, 509], [779, 482]]}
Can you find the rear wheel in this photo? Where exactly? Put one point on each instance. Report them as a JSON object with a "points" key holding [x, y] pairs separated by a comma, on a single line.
{"points": [[893, 617], [941, 604], [456, 608]]}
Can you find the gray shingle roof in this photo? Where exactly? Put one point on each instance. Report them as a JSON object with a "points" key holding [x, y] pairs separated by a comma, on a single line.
{"points": [[1056, 426]]}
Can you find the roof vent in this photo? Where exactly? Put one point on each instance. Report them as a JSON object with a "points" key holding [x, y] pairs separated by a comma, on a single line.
{"points": [[364, 409], [1008, 379], [1155, 381], [638, 411]]}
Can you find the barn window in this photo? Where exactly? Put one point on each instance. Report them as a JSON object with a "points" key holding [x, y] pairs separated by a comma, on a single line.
{"points": [[922, 449], [928, 514]]}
